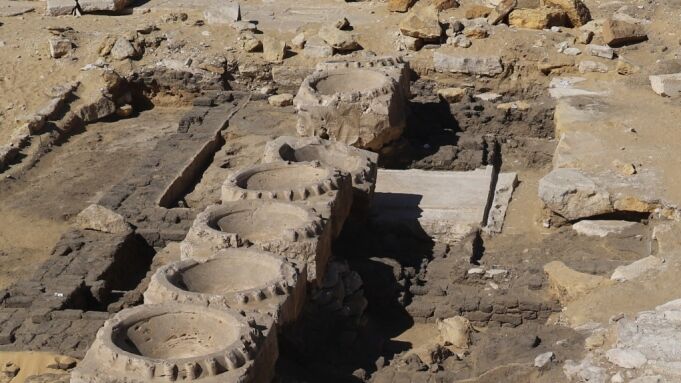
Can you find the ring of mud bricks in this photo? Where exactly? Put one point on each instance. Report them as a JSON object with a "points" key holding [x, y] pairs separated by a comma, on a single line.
{"points": [[360, 104], [244, 271]]}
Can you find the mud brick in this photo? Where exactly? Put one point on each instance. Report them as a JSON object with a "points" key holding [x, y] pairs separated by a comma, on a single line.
{"points": [[529, 306], [486, 305], [498, 309], [478, 316], [508, 302], [96, 315], [446, 311], [67, 314], [18, 302], [40, 314], [529, 315], [421, 309], [515, 320], [470, 304], [173, 235]]}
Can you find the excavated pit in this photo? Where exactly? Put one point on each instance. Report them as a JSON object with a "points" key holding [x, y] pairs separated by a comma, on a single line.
{"points": [[349, 82], [209, 277]]}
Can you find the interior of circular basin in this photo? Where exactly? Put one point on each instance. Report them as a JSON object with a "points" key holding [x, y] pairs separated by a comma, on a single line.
{"points": [[230, 273], [179, 335], [324, 154], [350, 81], [261, 223], [285, 177]]}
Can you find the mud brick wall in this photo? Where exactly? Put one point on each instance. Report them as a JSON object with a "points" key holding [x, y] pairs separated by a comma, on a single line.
{"points": [[150, 196]]}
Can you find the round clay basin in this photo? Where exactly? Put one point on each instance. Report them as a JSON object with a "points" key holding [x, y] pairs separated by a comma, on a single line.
{"points": [[285, 177], [326, 155], [359, 80], [177, 335], [260, 223], [232, 272]]}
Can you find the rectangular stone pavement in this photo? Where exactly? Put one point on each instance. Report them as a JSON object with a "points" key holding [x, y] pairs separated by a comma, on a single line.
{"points": [[446, 205]]}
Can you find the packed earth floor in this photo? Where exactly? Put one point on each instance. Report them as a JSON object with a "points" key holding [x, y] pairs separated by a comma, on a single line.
{"points": [[329, 191]]}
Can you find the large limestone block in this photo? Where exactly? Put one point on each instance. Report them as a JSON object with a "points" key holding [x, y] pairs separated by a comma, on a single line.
{"points": [[357, 106], [540, 18], [572, 195], [474, 65], [617, 33], [422, 24], [568, 284], [668, 85], [455, 331]]}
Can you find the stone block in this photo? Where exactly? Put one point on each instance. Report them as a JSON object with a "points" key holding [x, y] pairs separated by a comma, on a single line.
{"points": [[60, 7], [541, 18], [576, 10], [473, 65], [668, 85], [617, 33], [572, 195]]}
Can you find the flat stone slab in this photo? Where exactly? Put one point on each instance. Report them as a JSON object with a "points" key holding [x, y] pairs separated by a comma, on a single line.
{"points": [[446, 205], [16, 8]]}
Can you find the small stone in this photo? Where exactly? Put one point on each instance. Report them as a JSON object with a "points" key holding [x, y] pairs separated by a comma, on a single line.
{"points": [[572, 51], [60, 47], [10, 370], [227, 13], [249, 43], [476, 271], [542, 360], [488, 96], [576, 10], [476, 32], [460, 41], [496, 273], [316, 47], [124, 111], [602, 228], [99, 218], [585, 37], [617, 33], [400, 5], [342, 41], [442, 5], [244, 26], [515, 105], [501, 11], [668, 85], [298, 41], [273, 49], [423, 25], [122, 49], [342, 23], [452, 95], [594, 341], [625, 169], [626, 68], [281, 100], [411, 43], [603, 51], [626, 358], [477, 12], [455, 331], [540, 18]]}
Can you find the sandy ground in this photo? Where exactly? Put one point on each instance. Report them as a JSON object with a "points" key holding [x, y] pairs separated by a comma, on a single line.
{"points": [[30, 363]]}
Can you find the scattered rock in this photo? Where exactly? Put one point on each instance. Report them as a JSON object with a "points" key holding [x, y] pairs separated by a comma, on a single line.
{"points": [[626, 68], [626, 358], [273, 49], [486, 66], [476, 32], [411, 43], [617, 33], [316, 47], [576, 10], [636, 269], [125, 111], [60, 7], [488, 96], [572, 195], [502, 10], [442, 5], [89, 6], [298, 41], [603, 51], [342, 41], [540, 18], [455, 331], [477, 12], [122, 49], [542, 360], [281, 100], [585, 371], [668, 85], [568, 284], [60, 47], [400, 5], [517, 105], [227, 13], [99, 218], [452, 95], [423, 25], [460, 41], [249, 43], [342, 23]]}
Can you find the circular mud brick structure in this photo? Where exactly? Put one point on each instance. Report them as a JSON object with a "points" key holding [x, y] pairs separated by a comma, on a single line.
{"points": [[281, 227], [171, 342], [360, 164], [284, 181], [239, 278], [356, 106]]}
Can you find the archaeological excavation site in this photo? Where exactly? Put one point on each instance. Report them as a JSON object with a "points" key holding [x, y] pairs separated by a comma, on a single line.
{"points": [[361, 191]]}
